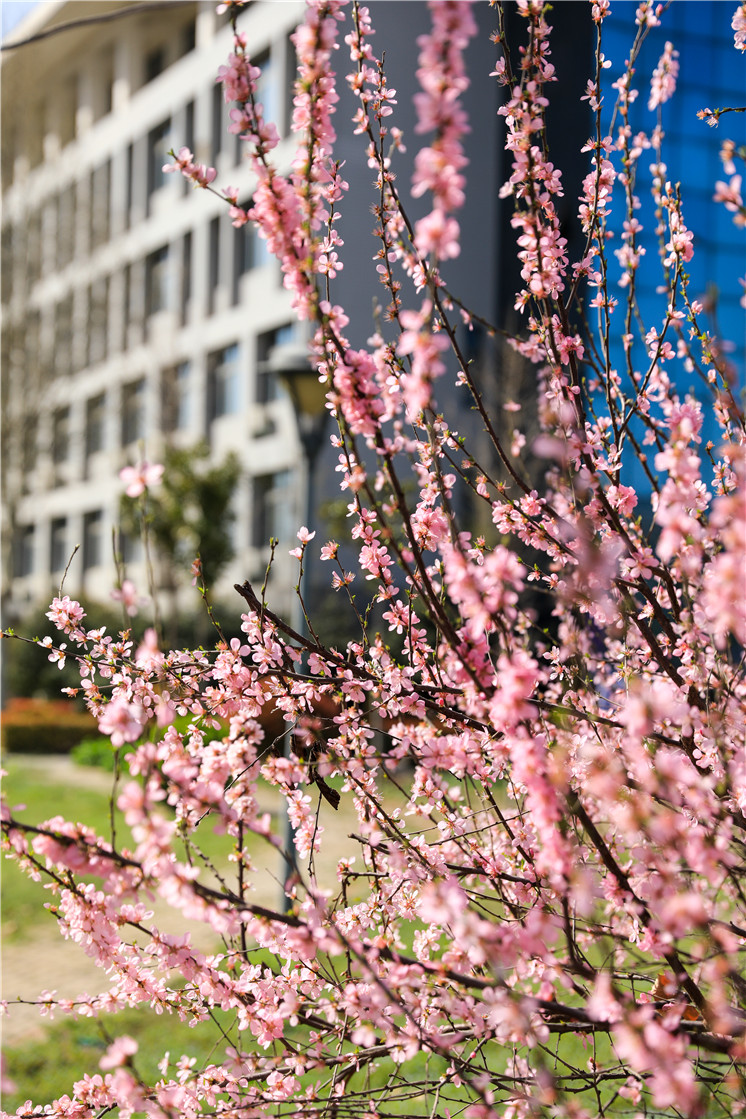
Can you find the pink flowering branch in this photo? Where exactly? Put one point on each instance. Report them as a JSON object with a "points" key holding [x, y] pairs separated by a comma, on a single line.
{"points": [[537, 730]]}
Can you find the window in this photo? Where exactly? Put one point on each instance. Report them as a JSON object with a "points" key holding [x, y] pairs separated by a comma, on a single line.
{"points": [[133, 412], [13, 253], [272, 509], [224, 387], [29, 445], [93, 538], [267, 388], [33, 248], [98, 320], [67, 108], [186, 186], [218, 123], [291, 62], [159, 144], [213, 273], [95, 412], [266, 87], [65, 240], [126, 308], [157, 282], [34, 133], [25, 545], [61, 435], [58, 554], [104, 88], [63, 337], [33, 345], [189, 37], [249, 251], [155, 63], [100, 210], [130, 547], [177, 397], [186, 276], [10, 149], [129, 185], [266, 95]]}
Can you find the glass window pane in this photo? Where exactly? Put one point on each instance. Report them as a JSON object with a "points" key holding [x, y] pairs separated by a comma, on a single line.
{"points": [[94, 424], [159, 144], [61, 435], [177, 397], [224, 382], [157, 282], [58, 554], [93, 524], [26, 540], [133, 412]]}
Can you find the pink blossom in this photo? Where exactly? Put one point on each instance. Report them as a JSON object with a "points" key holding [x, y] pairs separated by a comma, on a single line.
{"points": [[530, 727], [139, 478], [128, 596], [122, 721], [730, 194], [65, 613], [148, 655], [738, 24], [119, 1052], [437, 234], [663, 85]]}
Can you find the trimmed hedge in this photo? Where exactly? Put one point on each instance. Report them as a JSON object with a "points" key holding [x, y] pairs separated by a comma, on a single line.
{"points": [[32, 726]]}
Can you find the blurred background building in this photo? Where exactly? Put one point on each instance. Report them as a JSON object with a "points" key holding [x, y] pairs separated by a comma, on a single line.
{"points": [[134, 313], [712, 73], [135, 317]]}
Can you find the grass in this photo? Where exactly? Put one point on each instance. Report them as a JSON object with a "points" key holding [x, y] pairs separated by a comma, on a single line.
{"points": [[34, 797], [46, 1068]]}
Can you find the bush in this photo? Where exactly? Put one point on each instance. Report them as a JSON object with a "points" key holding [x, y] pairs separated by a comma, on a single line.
{"points": [[95, 751], [32, 726]]}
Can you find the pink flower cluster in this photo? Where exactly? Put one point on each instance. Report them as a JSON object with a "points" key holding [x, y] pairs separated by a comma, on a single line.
{"points": [[531, 901], [439, 167], [197, 173], [663, 84], [138, 479]]}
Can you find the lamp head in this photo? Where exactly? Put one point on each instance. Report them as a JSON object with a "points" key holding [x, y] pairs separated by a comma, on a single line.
{"points": [[290, 363]]}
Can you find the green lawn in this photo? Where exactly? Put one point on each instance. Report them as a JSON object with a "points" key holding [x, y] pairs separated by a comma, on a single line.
{"points": [[32, 796], [45, 1069]]}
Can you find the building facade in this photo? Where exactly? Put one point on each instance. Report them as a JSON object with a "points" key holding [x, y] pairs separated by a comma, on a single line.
{"points": [[134, 314]]}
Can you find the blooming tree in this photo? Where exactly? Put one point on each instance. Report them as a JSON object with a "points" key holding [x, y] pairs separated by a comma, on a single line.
{"points": [[545, 914]]}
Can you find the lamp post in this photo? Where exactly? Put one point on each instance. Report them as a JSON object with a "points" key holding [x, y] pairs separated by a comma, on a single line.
{"points": [[290, 364]]}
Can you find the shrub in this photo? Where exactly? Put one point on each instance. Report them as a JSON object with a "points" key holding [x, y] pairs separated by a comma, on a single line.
{"points": [[33, 726]]}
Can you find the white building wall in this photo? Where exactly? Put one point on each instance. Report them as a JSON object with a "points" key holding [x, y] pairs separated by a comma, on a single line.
{"points": [[99, 112], [114, 117]]}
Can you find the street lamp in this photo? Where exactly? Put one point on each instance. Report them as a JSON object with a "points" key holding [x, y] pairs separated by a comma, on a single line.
{"points": [[290, 363]]}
